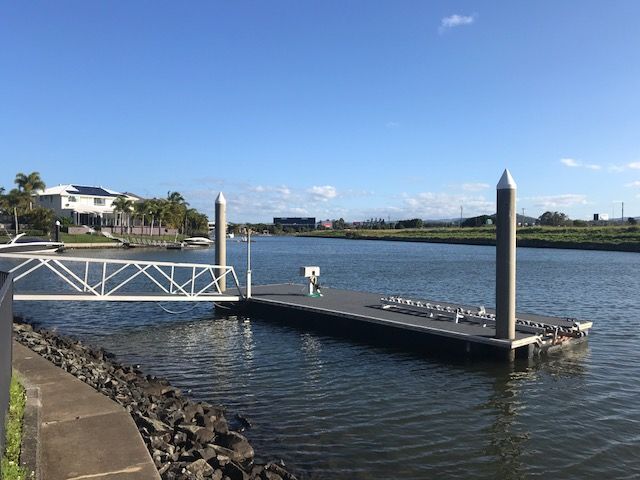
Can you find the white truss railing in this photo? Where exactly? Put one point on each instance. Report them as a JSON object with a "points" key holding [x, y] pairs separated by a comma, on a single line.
{"points": [[99, 279]]}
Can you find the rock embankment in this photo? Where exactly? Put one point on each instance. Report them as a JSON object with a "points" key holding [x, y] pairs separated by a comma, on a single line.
{"points": [[187, 440]]}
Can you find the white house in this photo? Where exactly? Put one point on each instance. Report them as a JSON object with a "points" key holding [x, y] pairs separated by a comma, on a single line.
{"points": [[84, 205]]}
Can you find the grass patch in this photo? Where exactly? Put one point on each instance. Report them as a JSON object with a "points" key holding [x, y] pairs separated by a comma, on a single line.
{"points": [[612, 237], [84, 238], [10, 465]]}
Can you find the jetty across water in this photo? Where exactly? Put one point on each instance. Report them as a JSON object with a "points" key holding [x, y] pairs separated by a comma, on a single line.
{"points": [[427, 324]]}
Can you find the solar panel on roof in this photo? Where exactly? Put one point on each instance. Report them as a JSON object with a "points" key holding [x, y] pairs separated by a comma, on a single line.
{"points": [[95, 191]]}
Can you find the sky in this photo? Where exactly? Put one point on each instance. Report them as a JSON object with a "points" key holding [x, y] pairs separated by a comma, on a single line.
{"points": [[352, 109]]}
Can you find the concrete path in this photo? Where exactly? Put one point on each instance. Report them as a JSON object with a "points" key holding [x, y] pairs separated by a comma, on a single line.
{"points": [[82, 433]]}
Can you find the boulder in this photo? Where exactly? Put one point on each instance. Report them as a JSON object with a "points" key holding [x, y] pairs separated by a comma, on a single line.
{"points": [[152, 425], [238, 444], [217, 424], [198, 434], [200, 468], [235, 471], [207, 453], [191, 410]]}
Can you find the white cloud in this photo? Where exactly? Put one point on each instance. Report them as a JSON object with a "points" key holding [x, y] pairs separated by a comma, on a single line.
{"points": [[392, 125], [622, 168], [556, 201], [634, 184], [323, 193], [475, 187], [455, 20], [444, 205], [570, 162]]}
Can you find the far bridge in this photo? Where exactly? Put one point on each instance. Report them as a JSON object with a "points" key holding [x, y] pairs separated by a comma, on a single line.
{"points": [[100, 279]]}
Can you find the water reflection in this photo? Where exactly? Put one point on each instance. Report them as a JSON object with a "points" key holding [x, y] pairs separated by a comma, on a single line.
{"points": [[506, 439], [510, 403], [311, 348]]}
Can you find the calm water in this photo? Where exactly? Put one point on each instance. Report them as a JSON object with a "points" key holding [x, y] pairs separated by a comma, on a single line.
{"points": [[333, 408]]}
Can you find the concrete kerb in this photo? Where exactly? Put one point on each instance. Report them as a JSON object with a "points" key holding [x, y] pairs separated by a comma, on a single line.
{"points": [[80, 432], [30, 447]]}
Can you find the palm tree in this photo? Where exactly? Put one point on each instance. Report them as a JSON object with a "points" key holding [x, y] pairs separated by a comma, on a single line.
{"points": [[164, 211], [196, 221], [141, 208], [16, 200], [123, 206], [153, 208], [176, 198], [178, 210], [29, 184]]}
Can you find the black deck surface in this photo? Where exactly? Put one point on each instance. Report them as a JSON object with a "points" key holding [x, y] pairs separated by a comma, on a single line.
{"points": [[366, 307]]}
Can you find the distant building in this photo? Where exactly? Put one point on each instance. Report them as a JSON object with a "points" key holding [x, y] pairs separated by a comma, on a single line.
{"points": [[83, 204], [295, 222], [325, 224], [600, 217]]}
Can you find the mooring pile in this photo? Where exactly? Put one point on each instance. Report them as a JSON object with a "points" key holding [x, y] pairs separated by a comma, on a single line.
{"points": [[187, 440]]}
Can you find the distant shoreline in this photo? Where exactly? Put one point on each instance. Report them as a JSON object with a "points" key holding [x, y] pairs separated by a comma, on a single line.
{"points": [[424, 237]]}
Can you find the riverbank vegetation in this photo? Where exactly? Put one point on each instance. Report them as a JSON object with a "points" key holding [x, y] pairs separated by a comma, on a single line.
{"points": [[10, 464], [623, 238]]}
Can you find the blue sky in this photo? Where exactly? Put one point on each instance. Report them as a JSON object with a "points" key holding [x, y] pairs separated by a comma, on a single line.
{"points": [[331, 109]]}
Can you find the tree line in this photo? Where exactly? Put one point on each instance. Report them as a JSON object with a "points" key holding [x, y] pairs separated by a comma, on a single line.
{"points": [[173, 212]]}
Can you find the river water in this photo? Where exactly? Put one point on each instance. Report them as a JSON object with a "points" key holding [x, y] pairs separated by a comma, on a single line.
{"points": [[333, 408]]}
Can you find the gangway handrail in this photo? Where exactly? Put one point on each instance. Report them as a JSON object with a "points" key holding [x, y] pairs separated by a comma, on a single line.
{"points": [[108, 260], [103, 286]]}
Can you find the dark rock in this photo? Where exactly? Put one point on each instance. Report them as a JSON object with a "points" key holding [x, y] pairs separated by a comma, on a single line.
{"points": [[170, 392], [235, 472], [267, 475], [180, 438], [152, 425], [200, 468], [188, 456], [206, 453], [217, 424], [191, 410], [164, 468], [279, 470], [172, 418], [238, 444], [198, 434], [243, 422], [217, 475]]}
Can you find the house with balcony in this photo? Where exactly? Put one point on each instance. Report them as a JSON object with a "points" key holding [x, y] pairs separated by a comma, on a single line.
{"points": [[92, 206]]}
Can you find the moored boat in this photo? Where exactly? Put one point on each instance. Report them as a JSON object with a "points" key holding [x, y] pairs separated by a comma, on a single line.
{"points": [[22, 244], [198, 242]]}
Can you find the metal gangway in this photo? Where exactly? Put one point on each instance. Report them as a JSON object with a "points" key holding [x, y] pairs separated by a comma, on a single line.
{"points": [[100, 279]]}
